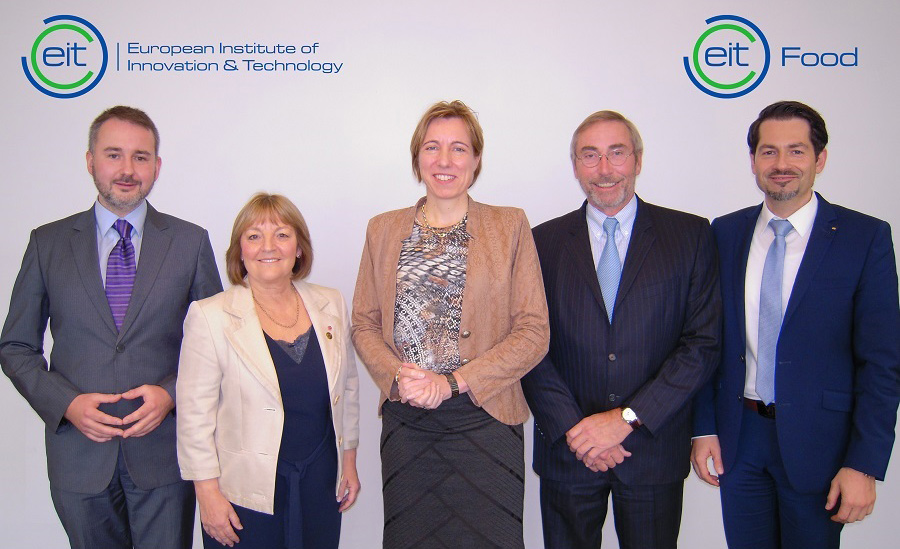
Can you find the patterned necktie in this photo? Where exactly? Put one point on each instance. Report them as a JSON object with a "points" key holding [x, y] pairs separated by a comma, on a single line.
{"points": [[120, 271], [609, 268], [770, 311]]}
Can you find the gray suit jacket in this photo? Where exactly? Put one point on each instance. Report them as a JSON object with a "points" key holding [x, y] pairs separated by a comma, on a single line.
{"points": [[60, 281]]}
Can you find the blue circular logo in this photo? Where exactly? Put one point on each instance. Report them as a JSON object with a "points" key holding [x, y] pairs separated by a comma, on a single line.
{"points": [[729, 59], [67, 59]]}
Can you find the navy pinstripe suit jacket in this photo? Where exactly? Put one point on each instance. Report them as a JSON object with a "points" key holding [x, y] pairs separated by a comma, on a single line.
{"points": [[662, 345]]}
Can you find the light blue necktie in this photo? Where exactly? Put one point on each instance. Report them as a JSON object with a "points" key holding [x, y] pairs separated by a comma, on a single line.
{"points": [[770, 311], [609, 268]]}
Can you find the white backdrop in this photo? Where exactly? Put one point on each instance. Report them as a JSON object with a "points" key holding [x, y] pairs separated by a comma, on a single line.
{"points": [[337, 145]]}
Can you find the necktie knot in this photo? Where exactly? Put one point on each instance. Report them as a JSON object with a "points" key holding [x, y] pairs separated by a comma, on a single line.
{"points": [[609, 226], [781, 227], [123, 228]]}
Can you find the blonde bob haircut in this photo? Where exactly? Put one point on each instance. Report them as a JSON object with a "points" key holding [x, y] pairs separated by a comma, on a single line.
{"points": [[608, 116], [276, 208], [443, 109]]}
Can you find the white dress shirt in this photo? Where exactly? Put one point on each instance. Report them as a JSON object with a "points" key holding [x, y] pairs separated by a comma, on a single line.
{"points": [[795, 246]]}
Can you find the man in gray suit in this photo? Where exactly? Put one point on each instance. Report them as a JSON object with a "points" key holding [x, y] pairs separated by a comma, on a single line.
{"points": [[115, 283]]}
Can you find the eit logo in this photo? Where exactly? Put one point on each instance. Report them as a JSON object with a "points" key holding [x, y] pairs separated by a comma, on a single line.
{"points": [[730, 58], [67, 59]]}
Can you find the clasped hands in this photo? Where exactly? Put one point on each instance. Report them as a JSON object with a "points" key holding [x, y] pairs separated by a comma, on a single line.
{"points": [[422, 388], [597, 440], [84, 413]]}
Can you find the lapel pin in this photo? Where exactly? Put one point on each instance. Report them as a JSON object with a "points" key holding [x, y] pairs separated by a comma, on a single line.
{"points": [[328, 333]]}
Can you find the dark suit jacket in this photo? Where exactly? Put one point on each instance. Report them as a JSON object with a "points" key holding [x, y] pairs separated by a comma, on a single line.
{"points": [[661, 347], [838, 374], [60, 281]]}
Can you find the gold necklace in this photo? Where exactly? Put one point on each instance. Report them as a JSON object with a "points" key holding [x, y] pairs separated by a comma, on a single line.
{"points": [[447, 230], [265, 312]]}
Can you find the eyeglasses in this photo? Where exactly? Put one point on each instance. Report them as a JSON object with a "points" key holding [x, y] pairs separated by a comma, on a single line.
{"points": [[592, 158]]}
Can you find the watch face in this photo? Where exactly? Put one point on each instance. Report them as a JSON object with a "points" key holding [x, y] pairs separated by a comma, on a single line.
{"points": [[628, 415]]}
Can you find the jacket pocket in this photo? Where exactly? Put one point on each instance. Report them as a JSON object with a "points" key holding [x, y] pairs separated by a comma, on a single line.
{"points": [[837, 400]]}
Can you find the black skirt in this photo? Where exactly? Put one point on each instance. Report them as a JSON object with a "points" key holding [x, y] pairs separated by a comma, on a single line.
{"points": [[452, 477]]}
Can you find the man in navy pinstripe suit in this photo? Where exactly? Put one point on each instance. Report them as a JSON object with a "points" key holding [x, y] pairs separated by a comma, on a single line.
{"points": [[635, 325]]}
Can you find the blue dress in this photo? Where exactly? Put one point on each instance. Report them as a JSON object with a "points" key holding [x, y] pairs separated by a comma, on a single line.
{"points": [[306, 513]]}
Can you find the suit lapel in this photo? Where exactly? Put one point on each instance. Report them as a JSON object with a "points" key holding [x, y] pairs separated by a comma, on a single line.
{"points": [[87, 263], [642, 239], [246, 337], [823, 230], [328, 328], [154, 246], [578, 247], [742, 255]]}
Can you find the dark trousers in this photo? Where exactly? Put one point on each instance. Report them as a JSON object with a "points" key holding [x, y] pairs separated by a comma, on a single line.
{"points": [[125, 516], [760, 508], [646, 517]]}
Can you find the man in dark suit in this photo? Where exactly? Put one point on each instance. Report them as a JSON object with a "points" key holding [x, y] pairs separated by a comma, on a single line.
{"points": [[799, 418], [115, 283], [634, 304]]}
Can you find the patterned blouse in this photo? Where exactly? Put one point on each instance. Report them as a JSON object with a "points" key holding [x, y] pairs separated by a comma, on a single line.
{"points": [[431, 277]]}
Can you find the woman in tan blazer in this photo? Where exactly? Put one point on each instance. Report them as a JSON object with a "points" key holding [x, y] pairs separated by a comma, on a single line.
{"points": [[267, 393], [448, 314]]}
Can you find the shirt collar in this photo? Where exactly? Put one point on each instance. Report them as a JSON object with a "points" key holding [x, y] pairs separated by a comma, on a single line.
{"points": [[802, 220], [106, 219], [625, 216]]}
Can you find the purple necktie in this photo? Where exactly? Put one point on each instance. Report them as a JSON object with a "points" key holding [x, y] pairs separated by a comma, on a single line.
{"points": [[120, 270]]}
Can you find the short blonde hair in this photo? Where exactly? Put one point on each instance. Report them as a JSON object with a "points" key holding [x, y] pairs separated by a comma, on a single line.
{"points": [[271, 207], [444, 109]]}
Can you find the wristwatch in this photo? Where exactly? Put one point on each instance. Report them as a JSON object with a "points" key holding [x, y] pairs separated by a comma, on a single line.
{"points": [[631, 418], [454, 386]]}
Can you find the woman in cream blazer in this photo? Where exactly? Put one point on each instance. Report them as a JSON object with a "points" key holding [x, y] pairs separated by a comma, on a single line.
{"points": [[230, 411]]}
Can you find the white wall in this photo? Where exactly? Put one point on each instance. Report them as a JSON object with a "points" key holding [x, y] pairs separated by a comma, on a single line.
{"points": [[338, 146]]}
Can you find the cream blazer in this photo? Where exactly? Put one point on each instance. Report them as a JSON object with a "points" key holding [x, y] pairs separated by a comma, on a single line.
{"points": [[228, 404]]}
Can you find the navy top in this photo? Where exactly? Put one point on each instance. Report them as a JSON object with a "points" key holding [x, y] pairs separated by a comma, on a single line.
{"points": [[304, 395]]}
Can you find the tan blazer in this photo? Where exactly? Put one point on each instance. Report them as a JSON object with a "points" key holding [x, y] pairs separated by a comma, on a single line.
{"points": [[229, 411], [504, 330]]}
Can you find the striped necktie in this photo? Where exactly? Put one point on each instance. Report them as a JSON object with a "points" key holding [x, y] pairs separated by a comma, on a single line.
{"points": [[120, 271]]}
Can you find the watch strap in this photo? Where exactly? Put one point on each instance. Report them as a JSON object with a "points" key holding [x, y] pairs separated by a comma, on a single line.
{"points": [[454, 386]]}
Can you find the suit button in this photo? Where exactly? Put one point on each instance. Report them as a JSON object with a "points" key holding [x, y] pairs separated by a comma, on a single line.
{"points": [[120, 348], [612, 397], [464, 361], [466, 333], [742, 358], [336, 399], [612, 357]]}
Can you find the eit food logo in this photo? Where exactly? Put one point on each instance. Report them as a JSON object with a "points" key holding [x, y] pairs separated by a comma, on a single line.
{"points": [[67, 59], [730, 58]]}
